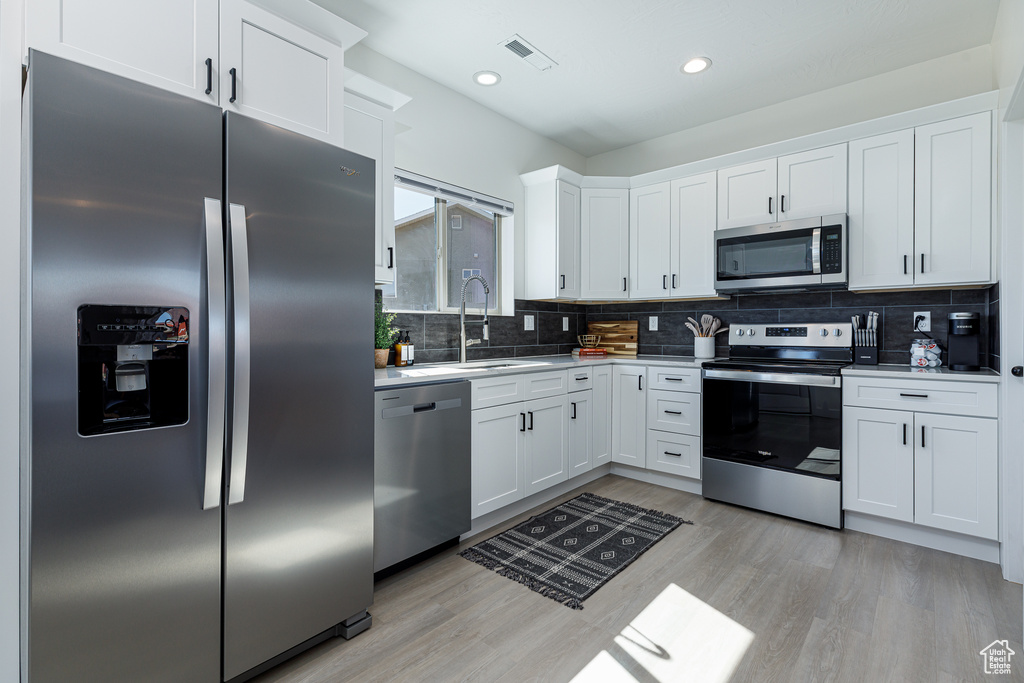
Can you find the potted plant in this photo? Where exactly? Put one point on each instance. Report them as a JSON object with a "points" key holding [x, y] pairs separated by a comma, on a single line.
{"points": [[383, 334]]}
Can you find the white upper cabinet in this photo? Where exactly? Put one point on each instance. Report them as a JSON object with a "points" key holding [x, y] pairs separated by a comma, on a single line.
{"points": [[650, 238], [552, 234], [604, 243], [279, 61], [280, 73], [746, 194], [693, 235], [802, 185], [953, 201], [370, 131], [881, 218], [920, 206], [166, 44]]}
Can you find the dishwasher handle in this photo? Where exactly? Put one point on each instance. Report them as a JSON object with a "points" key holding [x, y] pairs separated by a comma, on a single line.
{"points": [[424, 407], [392, 412]]}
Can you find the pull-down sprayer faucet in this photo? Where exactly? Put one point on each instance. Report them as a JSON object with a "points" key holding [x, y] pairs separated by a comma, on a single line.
{"points": [[463, 342]]}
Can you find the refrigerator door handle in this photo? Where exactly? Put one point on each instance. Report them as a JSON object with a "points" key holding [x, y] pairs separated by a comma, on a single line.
{"points": [[240, 402], [217, 335]]}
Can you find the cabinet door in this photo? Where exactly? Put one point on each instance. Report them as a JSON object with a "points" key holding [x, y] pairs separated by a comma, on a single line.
{"points": [[650, 255], [956, 470], [602, 423], [581, 432], [604, 243], [881, 218], [693, 214], [546, 456], [497, 438], [629, 415], [878, 462], [164, 44], [953, 201], [369, 130], [746, 194], [567, 208], [283, 74], [812, 183]]}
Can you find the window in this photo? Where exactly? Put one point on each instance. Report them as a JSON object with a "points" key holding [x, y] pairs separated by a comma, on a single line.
{"points": [[443, 235]]}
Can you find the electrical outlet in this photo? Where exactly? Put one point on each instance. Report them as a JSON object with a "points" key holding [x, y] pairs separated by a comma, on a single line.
{"points": [[527, 322], [565, 323], [652, 323], [926, 324]]}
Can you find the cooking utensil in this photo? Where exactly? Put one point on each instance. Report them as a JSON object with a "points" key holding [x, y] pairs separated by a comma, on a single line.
{"points": [[706, 321], [693, 328]]}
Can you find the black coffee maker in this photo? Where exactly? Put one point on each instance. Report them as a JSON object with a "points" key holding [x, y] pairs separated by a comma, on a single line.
{"points": [[963, 340]]}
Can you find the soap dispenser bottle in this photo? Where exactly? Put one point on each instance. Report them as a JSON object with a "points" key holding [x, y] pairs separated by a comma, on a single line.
{"points": [[410, 349], [400, 352]]}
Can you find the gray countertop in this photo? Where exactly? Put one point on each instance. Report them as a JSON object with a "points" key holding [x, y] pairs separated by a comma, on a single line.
{"points": [[908, 372], [441, 372]]}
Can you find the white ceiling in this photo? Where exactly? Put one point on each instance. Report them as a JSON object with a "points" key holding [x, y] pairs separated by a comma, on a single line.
{"points": [[618, 81]]}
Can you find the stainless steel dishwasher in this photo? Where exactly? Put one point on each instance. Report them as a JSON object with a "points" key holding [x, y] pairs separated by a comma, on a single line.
{"points": [[421, 469]]}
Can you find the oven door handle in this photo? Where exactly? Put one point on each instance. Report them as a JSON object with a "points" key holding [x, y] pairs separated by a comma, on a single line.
{"points": [[776, 378]]}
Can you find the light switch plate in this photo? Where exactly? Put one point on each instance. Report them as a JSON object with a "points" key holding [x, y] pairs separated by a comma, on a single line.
{"points": [[652, 323], [926, 324], [565, 323], [527, 322]]}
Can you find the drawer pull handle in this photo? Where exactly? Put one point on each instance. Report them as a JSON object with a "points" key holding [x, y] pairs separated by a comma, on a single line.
{"points": [[674, 412], [582, 378], [678, 455], [913, 395], [673, 379]]}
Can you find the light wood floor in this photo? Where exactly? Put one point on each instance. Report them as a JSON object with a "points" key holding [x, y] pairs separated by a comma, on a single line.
{"points": [[819, 605]]}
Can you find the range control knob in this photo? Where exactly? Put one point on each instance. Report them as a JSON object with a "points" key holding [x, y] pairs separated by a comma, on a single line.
{"points": [[823, 332], [750, 332], [739, 333], [837, 332]]}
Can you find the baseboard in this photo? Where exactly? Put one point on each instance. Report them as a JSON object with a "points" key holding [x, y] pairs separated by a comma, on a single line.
{"points": [[669, 481], [502, 515], [936, 539]]}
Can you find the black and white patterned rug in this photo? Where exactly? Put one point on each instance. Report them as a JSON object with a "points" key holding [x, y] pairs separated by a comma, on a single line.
{"points": [[571, 550]]}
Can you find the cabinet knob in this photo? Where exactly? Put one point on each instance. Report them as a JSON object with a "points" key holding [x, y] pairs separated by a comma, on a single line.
{"points": [[1017, 371]]}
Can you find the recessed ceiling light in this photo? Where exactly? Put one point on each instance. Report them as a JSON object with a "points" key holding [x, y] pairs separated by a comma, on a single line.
{"points": [[486, 78], [696, 65]]}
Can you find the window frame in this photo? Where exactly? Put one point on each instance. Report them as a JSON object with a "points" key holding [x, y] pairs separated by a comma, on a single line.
{"points": [[503, 212]]}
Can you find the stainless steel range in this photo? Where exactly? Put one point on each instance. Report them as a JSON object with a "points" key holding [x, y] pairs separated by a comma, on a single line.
{"points": [[772, 420]]}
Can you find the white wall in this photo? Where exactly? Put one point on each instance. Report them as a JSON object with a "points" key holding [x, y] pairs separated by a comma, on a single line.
{"points": [[1008, 48], [447, 136], [939, 80], [10, 314]]}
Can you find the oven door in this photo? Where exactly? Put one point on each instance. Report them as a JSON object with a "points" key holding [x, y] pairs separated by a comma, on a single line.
{"points": [[780, 421], [771, 441]]}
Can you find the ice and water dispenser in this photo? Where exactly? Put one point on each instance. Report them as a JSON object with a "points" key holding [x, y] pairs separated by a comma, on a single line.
{"points": [[132, 368]]}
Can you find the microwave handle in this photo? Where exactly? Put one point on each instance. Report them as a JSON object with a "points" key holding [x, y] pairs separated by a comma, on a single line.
{"points": [[816, 251]]}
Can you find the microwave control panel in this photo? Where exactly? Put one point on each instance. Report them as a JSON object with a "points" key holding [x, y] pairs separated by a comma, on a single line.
{"points": [[832, 249]]}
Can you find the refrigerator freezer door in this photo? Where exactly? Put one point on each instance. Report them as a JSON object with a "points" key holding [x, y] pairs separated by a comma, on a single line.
{"points": [[299, 545], [123, 563]]}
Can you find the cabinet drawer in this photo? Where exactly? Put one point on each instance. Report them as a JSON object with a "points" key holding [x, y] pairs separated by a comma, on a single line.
{"points": [[497, 391], [674, 379], [544, 384], [581, 379], [673, 453], [673, 411], [928, 396]]}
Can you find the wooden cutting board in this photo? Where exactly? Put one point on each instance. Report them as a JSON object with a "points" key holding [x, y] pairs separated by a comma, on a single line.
{"points": [[620, 337]]}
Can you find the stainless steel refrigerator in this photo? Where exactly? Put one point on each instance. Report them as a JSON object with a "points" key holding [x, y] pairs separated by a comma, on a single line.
{"points": [[198, 432]]}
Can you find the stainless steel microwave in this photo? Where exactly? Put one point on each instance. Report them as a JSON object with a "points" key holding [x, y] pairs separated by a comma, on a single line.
{"points": [[801, 254]]}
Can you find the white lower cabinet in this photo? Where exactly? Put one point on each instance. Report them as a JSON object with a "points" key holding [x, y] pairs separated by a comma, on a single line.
{"points": [[602, 415], [546, 443], [497, 443], [581, 432], [932, 469], [629, 411]]}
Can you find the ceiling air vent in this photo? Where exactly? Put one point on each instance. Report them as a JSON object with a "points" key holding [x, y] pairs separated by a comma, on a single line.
{"points": [[529, 53]]}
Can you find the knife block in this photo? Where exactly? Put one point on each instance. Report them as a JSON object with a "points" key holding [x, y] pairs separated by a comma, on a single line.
{"points": [[865, 355]]}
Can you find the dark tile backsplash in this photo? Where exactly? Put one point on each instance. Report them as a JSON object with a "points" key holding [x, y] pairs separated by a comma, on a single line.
{"points": [[436, 336]]}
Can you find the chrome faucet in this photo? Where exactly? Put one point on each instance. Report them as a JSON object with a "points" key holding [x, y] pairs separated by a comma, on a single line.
{"points": [[463, 342]]}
